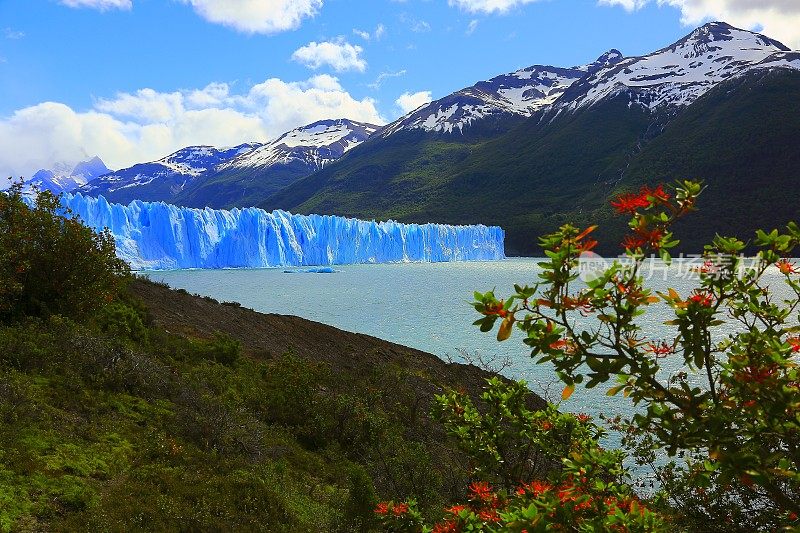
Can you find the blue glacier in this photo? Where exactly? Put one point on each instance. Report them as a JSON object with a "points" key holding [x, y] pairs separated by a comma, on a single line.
{"points": [[159, 236]]}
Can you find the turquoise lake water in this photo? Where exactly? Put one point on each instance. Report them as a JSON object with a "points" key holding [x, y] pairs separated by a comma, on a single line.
{"points": [[422, 305]]}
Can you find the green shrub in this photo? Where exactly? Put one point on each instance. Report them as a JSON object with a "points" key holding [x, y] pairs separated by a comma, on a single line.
{"points": [[50, 263], [121, 321]]}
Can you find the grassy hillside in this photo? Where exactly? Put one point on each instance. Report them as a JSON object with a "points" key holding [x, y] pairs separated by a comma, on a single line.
{"points": [[739, 137], [742, 139], [177, 413]]}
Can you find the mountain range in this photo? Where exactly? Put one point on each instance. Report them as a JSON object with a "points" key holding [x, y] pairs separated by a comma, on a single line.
{"points": [[67, 177], [718, 105], [532, 149]]}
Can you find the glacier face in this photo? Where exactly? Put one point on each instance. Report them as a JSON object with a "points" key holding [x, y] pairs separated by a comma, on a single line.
{"points": [[159, 236]]}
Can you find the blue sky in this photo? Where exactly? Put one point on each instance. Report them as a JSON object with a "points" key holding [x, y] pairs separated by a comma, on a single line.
{"points": [[132, 80]]}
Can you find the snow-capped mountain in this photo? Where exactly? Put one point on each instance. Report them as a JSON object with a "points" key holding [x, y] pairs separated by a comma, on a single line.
{"points": [[207, 176], [313, 145], [65, 177], [162, 179], [674, 76], [522, 92], [677, 75], [253, 175]]}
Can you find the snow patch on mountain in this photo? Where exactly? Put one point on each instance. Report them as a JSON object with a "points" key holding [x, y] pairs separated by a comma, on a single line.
{"points": [[316, 145], [64, 177], [176, 170], [679, 74], [522, 92]]}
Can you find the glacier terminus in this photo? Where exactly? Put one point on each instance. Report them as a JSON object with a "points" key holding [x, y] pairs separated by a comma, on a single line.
{"points": [[160, 236]]}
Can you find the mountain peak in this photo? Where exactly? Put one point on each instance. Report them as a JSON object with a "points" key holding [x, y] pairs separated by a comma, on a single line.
{"points": [[91, 168], [612, 57], [314, 144], [713, 36], [677, 75], [65, 177]]}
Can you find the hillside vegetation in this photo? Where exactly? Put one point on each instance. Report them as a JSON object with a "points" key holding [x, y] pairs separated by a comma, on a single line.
{"points": [[127, 406]]}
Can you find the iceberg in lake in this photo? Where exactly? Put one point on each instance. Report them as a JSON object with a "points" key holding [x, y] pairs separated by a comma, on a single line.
{"points": [[158, 236]]}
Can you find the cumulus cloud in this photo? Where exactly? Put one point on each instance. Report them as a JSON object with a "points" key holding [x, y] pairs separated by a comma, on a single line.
{"points": [[256, 16], [147, 124], [339, 55], [102, 5], [408, 102], [779, 19], [248, 16], [488, 6]]}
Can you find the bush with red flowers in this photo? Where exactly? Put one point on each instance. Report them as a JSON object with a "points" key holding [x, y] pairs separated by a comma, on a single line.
{"points": [[586, 491], [730, 415]]}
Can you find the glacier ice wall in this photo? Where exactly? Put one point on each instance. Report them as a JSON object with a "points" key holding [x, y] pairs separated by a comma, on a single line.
{"points": [[159, 236]]}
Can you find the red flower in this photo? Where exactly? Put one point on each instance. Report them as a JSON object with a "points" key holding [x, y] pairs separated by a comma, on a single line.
{"points": [[546, 425], [786, 267], [496, 309], [583, 418], [400, 509], [757, 374], [794, 342], [643, 237], [489, 515], [480, 490], [709, 267], [630, 203], [703, 299], [445, 527], [580, 301], [632, 242], [456, 509], [660, 350], [382, 508], [587, 503], [535, 488], [659, 195]]}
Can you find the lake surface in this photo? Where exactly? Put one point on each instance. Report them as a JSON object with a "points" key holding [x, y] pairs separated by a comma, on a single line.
{"points": [[422, 305]]}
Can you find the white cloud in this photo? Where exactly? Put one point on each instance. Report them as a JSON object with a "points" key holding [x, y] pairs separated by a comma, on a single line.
{"points": [[256, 16], [385, 75], [11, 33], [102, 5], [488, 6], [339, 55], [379, 32], [628, 5], [779, 19], [420, 26], [473, 25], [408, 102], [248, 16], [147, 124]]}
